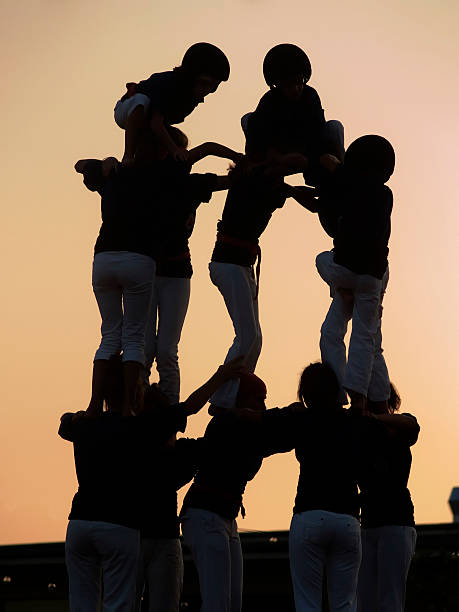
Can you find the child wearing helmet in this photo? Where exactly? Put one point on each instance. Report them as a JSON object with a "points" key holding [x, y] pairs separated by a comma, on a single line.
{"points": [[354, 207], [290, 116], [166, 98]]}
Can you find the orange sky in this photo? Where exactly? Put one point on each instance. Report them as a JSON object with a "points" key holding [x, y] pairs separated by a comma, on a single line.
{"points": [[387, 68]]}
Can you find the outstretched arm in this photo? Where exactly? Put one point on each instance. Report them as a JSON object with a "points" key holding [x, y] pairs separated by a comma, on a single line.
{"points": [[284, 165], [304, 196], [201, 396], [94, 171], [215, 149], [160, 131], [222, 183]]}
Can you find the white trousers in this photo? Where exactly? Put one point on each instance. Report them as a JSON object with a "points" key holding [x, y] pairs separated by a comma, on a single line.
{"points": [[160, 572], [124, 108], [386, 557], [168, 309], [216, 549], [365, 370], [238, 288], [123, 283], [319, 540], [96, 551]]}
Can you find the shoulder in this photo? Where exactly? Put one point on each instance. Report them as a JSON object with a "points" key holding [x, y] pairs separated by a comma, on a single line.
{"points": [[310, 95], [160, 78], [269, 100], [159, 84]]}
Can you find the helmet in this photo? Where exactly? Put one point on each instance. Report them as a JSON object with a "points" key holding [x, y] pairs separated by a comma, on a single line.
{"points": [[204, 58], [283, 61], [373, 154]]}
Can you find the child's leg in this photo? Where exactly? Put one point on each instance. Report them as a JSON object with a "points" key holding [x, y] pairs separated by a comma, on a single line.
{"points": [[108, 293], [379, 388], [365, 324], [173, 300], [334, 328], [151, 333], [131, 115], [137, 275], [238, 288], [333, 138], [332, 333], [99, 372]]}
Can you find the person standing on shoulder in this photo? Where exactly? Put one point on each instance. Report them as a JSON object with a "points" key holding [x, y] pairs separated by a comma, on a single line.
{"points": [[171, 291], [137, 205], [355, 207]]}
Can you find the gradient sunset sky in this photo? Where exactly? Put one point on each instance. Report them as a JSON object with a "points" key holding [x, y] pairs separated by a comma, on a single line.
{"points": [[387, 68]]}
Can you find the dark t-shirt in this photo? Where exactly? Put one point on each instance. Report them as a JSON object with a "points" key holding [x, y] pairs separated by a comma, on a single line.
{"points": [[110, 465], [248, 209], [357, 216], [230, 458], [180, 205], [288, 125], [169, 469], [175, 262], [170, 94], [385, 498], [145, 208], [328, 449]]}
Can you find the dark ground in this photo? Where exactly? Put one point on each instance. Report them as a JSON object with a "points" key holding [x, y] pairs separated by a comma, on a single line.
{"points": [[33, 576]]}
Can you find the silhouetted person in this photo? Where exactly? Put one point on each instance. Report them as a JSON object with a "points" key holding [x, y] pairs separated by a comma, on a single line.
{"points": [[325, 531], [170, 466], [290, 117], [257, 190], [355, 207], [114, 455], [387, 514], [166, 98], [102, 542], [171, 291], [138, 204], [230, 458]]}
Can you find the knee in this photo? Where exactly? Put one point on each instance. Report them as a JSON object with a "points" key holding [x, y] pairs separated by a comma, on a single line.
{"points": [[166, 356]]}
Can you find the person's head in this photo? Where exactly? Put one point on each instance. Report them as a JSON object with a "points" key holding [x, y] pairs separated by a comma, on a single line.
{"points": [[251, 396], [319, 387], [204, 66], [370, 158], [389, 406], [287, 68]]}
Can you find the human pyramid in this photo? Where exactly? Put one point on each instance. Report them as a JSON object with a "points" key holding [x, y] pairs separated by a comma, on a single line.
{"points": [[123, 530]]}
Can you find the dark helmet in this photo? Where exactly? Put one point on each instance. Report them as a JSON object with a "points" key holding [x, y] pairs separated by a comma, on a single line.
{"points": [[204, 58], [283, 61], [371, 153]]}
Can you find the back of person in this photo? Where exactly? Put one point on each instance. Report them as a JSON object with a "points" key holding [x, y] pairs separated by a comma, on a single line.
{"points": [[249, 206], [170, 93], [327, 451], [293, 126], [105, 460], [230, 459], [363, 230], [385, 498]]}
